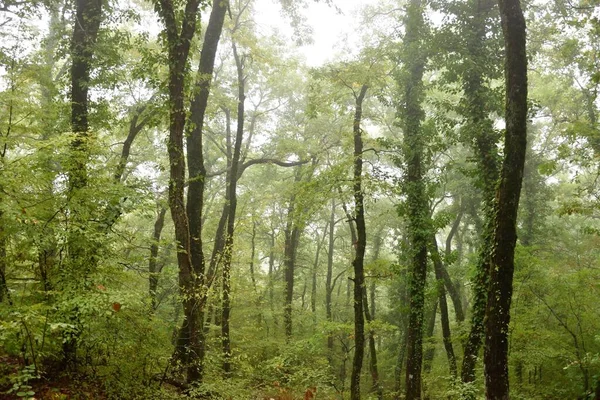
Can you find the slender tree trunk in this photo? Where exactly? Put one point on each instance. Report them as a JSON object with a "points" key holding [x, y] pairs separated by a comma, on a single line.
{"points": [[313, 292], [411, 114], [370, 310], [253, 254], [4, 293], [329, 278], [292, 240], [429, 339], [359, 256], [271, 268], [153, 270], [232, 197], [439, 275], [505, 232], [399, 364], [375, 385]]}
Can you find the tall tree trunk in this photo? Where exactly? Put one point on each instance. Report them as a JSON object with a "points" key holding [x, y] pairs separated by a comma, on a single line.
{"points": [[232, 198], [329, 278], [253, 254], [88, 15], [485, 142], [271, 268], [313, 292], [505, 232], [187, 218], [370, 310], [411, 114], [359, 256], [4, 293], [153, 269], [292, 240]]}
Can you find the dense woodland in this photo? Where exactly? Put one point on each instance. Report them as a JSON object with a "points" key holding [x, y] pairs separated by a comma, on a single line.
{"points": [[188, 209]]}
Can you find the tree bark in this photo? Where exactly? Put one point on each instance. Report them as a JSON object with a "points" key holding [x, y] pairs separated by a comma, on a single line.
{"points": [[411, 114], [505, 232], [359, 256]]}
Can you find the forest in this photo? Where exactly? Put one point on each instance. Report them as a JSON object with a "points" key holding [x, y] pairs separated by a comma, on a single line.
{"points": [[198, 201]]}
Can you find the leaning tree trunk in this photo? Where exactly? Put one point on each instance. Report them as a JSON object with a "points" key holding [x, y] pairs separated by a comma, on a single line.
{"points": [[505, 232], [359, 256], [411, 115]]}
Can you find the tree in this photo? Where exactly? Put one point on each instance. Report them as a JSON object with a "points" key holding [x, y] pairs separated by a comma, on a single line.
{"points": [[410, 113], [361, 242], [509, 190], [187, 218]]}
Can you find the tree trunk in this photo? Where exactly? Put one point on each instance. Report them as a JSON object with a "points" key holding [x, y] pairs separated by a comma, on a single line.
{"points": [[253, 254], [329, 278], [505, 232], [399, 365], [429, 339], [4, 293], [88, 15], [153, 270], [313, 292], [439, 276], [359, 256], [411, 114], [292, 240], [232, 198], [370, 309], [187, 217], [485, 141], [375, 385]]}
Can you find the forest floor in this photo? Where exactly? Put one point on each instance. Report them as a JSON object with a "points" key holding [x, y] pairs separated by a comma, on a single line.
{"points": [[15, 385]]}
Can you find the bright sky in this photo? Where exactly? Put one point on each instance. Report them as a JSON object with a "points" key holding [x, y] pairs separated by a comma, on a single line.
{"points": [[330, 27]]}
